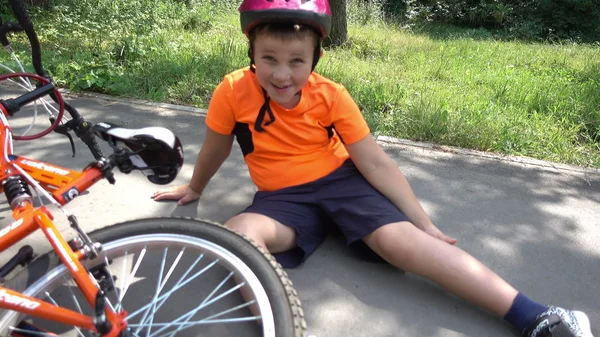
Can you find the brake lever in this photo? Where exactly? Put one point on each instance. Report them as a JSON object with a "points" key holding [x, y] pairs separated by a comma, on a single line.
{"points": [[64, 129]]}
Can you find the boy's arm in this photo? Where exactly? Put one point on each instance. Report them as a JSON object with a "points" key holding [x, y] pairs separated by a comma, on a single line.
{"points": [[375, 165], [217, 145], [381, 171], [213, 153]]}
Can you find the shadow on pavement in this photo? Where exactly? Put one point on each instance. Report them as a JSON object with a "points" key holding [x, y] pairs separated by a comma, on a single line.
{"points": [[536, 227]]}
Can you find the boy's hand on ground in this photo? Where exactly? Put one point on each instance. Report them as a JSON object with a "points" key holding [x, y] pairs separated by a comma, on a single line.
{"points": [[436, 233], [183, 194]]}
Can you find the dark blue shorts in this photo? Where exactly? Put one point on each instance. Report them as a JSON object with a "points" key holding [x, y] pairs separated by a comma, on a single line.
{"points": [[344, 199]]}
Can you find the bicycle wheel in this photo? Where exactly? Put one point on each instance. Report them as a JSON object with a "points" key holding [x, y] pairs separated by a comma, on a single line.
{"points": [[174, 276], [17, 121]]}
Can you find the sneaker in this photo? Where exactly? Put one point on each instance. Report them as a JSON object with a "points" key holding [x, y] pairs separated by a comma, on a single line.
{"points": [[558, 322]]}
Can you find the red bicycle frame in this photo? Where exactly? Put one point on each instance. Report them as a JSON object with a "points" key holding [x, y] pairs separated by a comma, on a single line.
{"points": [[63, 184]]}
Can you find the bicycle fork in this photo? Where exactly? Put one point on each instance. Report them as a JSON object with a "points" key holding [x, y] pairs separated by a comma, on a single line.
{"points": [[105, 321]]}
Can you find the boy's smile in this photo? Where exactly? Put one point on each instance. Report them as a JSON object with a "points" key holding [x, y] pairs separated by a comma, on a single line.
{"points": [[283, 67]]}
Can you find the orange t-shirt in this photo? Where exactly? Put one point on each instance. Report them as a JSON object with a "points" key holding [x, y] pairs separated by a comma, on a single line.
{"points": [[303, 144]]}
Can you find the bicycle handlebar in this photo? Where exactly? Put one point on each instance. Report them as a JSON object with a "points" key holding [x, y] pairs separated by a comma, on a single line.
{"points": [[82, 128], [13, 105]]}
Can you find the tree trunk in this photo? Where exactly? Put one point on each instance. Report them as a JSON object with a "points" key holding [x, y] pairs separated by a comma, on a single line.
{"points": [[339, 27], [46, 4]]}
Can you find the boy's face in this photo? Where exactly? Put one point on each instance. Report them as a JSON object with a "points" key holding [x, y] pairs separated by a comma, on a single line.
{"points": [[283, 66]]}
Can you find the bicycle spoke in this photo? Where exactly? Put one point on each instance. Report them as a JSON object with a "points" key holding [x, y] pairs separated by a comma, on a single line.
{"points": [[39, 333], [206, 321], [24, 85], [124, 265], [114, 286], [177, 285], [210, 319], [203, 305], [14, 56], [183, 326], [200, 307], [133, 272], [55, 303], [158, 289], [205, 300], [175, 263], [69, 283], [7, 68]]}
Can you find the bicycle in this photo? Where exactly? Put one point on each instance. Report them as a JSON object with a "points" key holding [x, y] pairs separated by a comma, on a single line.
{"points": [[30, 297]]}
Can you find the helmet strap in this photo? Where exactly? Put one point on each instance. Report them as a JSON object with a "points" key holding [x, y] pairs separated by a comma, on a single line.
{"points": [[252, 65], [317, 55], [266, 108]]}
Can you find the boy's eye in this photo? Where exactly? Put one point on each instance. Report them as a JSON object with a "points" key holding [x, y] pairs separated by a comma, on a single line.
{"points": [[268, 58], [298, 61]]}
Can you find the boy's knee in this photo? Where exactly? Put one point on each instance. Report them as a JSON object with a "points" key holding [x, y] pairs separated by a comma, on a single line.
{"points": [[243, 224], [263, 230], [396, 243]]}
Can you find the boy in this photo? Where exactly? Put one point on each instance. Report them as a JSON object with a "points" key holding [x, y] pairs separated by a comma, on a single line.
{"points": [[314, 161]]}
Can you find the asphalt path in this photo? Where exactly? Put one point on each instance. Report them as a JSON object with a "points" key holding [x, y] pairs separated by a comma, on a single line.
{"points": [[536, 224]]}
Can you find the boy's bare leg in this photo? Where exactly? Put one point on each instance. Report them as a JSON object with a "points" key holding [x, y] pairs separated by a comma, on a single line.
{"points": [[409, 248], [265, 232]]}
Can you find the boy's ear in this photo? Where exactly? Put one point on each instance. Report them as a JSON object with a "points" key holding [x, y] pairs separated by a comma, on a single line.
{"points": [[321, 52]]}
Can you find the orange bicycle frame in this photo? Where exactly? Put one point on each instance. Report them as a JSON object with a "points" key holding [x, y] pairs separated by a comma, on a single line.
{"points": [[64, 185]]}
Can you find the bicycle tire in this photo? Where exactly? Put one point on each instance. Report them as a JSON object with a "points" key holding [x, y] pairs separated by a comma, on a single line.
{"points": [[287, 309]]}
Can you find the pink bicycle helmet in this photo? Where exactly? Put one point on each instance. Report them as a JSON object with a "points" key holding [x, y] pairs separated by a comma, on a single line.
{"points": [[315, 13]]}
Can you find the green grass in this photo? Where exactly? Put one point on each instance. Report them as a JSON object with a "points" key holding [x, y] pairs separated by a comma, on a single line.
{"points": [[524, 99], [445, 85]]}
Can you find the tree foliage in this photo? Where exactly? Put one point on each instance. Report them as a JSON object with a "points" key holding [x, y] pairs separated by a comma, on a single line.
{"points": [[565, 19]]}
